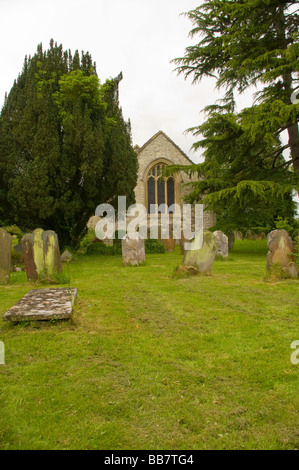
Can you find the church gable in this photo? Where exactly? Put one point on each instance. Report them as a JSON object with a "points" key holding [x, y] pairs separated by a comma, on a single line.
{"points": [[159, 150], [160, 146]]}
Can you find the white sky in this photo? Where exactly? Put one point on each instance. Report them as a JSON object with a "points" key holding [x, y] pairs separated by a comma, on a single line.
{"points": [[137, 37]]}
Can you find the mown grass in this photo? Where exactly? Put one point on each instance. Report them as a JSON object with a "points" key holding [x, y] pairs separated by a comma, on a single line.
{"points": [[154, 361]]}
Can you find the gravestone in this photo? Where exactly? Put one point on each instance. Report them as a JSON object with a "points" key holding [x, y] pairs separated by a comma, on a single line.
{"points": [[41, 254], [66, 256], [43, 304], [18, 248], [222, 243], [2, 353], [133, 251], [168, 243], [281, 247], [291, 270], [183, 240], [201, 257], [5, 256]]}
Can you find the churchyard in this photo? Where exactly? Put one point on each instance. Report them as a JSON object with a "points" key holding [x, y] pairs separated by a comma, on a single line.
{"points": [[153, 358], [139, 344]]}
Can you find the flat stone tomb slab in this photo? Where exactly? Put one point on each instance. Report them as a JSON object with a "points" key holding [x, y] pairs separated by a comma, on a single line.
{"points": [[43, 304]]}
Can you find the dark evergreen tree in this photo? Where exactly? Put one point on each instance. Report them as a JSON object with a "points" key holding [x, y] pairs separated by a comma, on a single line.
{"points": [[244, 43], [120, 163], [63, 148]]}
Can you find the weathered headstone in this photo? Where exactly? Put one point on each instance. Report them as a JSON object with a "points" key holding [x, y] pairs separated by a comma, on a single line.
{"points": [[66, 256], [18, 248], [281, 247], [133, 251], [43, 304], [41, 254], [291, 270], [2, 353], [168, 243], [201, 258], [5, 256], [183, 241], [222, 243]]}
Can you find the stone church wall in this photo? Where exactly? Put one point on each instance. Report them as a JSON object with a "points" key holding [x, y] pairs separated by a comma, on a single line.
{"points": [[160, 147]]}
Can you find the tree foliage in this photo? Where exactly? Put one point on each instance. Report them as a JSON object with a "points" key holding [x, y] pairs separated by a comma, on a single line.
{"points": [[64, 145], [245, 43]]}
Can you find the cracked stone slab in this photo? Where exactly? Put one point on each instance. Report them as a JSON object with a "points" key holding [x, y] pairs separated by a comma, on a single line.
{"points": [[43, 304]]}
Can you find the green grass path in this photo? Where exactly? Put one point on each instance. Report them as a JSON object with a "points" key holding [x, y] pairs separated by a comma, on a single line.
{"points": [[151, 361]]}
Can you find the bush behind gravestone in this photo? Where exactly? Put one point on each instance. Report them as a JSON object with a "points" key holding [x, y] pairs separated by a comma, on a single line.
{"points": [[154, 246], [99, 248], [14, 230], [86, 241], [16, 257]]}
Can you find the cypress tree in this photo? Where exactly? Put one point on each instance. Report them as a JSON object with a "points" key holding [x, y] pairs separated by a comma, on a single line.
{"points": [[57, 158]]}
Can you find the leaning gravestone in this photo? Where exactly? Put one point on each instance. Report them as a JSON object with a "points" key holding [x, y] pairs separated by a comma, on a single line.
{"points": [[133, 251], [183, 241], [5, 256], [281, 247], [202, 258], [222, 243], [41, 254]]}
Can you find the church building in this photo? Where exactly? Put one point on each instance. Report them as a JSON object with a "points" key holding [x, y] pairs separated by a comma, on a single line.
{"points": [[157, 152], [151, 189]]}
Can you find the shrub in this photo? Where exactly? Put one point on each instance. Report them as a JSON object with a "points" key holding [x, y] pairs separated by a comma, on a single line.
{"points": [[99, 248], [14, 230], [296, 251], [283, 224], [154, 246], [275, 273], [16, 257], [86, 241]]}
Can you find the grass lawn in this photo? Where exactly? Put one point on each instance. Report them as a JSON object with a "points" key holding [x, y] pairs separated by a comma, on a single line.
{"points": [[150, 361]]}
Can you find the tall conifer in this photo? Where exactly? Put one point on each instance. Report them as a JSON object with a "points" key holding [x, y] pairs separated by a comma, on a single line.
{"points": [[64, 146]]}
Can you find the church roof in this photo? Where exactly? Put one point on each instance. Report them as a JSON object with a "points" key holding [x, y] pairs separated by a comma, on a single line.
{"points": [[168, 138]]}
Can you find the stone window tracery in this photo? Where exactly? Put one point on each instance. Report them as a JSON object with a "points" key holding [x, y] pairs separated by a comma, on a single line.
{"points": [[159, 190]]}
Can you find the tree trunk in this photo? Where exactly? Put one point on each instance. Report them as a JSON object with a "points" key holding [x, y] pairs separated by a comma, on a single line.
{"points": [[293, 133]]}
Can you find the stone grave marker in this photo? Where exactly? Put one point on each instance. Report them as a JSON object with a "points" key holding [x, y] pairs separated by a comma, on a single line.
{"points": [[222, 243], [43, 304], [5, 256], [41, 254], [281, 247], [202, 258], [183, 241], [66, 256], [168, 243], [133, 251], [2, 353]]}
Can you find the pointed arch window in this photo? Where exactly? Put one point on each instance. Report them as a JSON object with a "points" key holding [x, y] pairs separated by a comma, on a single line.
{"points": [[159, 190]]}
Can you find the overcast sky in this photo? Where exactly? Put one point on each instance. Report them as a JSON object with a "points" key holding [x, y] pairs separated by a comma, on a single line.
{"points": [[137, 37]]}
